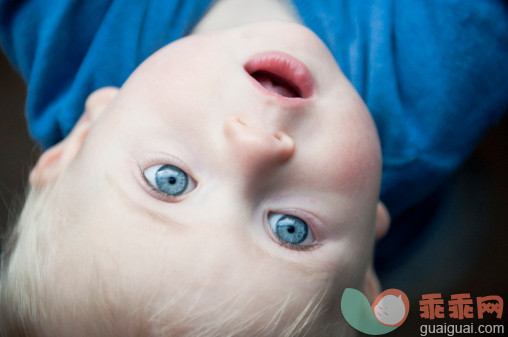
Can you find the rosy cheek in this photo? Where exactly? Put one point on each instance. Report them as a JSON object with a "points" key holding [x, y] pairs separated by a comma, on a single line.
{"points": [[360, 155], [354, 167], [350, 151]]}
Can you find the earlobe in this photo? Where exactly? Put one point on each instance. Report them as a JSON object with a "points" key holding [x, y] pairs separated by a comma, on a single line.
{"points": [[57, 158], [46, 166], [98, 100], [382, 220], [54, 160], [372, 287]]}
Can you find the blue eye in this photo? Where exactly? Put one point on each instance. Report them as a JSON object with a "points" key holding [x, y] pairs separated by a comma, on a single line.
{"points": [[169, 180], [290, 229]]}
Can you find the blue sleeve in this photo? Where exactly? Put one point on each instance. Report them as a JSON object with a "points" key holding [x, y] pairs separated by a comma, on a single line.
{"points": [[433, 74], [65, 49]]}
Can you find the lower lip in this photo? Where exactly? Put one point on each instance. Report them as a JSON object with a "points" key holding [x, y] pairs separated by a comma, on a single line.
{"points": [[286, 67]]}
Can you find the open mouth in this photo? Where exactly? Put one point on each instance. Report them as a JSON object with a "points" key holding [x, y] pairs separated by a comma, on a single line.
{"points": [[281, 74]]}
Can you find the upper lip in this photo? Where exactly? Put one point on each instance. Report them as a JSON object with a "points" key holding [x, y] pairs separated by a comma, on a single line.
{"points": [[283, 67]]}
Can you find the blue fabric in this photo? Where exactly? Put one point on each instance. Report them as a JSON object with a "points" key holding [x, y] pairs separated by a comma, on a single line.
{"points": [[65, 49], [432, 72]]}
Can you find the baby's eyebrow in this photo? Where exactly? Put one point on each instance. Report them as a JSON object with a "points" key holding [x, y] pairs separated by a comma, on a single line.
{"points": [[136, 205]]}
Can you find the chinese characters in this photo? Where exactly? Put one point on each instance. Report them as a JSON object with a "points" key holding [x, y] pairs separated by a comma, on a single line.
{"points": [[460, 306]]}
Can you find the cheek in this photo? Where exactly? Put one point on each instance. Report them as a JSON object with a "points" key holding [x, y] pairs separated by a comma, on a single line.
{"points": [[349, 163], [347, 149], [352, 154]]}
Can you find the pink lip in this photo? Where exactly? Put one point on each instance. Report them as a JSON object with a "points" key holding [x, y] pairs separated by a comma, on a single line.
{"points": [[286, 68]]}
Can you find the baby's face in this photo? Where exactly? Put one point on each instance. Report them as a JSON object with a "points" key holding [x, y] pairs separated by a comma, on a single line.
{"points": [[203, 187]]}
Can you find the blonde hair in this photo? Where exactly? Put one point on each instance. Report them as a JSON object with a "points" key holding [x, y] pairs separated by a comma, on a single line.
{"points": [[31, 305], [25, 257]]}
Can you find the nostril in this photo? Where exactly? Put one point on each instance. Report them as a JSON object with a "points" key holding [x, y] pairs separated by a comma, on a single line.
{"points": [[241, 122], [279, 136], [285, 145]]}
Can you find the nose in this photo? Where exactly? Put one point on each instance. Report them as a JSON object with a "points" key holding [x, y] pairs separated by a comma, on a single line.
{"points": [[254, 148]]}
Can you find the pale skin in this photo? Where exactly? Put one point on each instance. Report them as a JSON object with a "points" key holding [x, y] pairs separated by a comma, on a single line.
{"points": [[248, 154]]}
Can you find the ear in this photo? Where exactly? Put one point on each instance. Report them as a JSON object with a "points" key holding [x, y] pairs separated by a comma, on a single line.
{"points": [[382, 220], [54, 160], [372, 287]]}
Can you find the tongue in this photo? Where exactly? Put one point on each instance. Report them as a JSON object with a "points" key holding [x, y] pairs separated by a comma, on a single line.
{"points": [[275, 85]]}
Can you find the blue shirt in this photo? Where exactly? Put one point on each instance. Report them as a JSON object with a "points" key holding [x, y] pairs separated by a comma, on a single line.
{"points": [[432, 72]]}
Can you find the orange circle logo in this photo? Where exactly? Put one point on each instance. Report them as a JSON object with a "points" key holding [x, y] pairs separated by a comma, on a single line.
{"points": [[391, 307]]}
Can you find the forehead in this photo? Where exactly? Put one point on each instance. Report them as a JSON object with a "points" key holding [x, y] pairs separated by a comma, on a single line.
{"points": [[155, 256]]}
